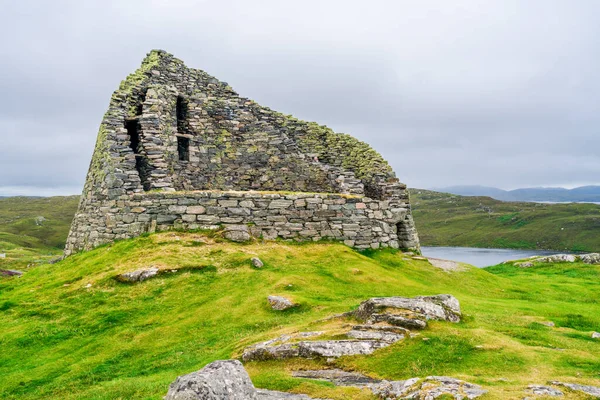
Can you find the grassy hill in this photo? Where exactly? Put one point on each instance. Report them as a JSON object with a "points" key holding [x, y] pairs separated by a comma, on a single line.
{"points": [[33, 229], [71, 331], [450, 220]]}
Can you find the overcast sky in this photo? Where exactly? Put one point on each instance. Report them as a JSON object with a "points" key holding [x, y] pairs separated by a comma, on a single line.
{"points": [[501, 93]]}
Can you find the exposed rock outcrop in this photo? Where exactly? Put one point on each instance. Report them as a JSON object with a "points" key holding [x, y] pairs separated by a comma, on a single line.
{"points": [[139, 275], [387, 320], [590, 258], [541, 390], [593, 391], [431, 387], [442, 307]]}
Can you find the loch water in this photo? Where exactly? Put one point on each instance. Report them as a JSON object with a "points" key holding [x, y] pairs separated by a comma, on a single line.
{"points": [[482, 257]]}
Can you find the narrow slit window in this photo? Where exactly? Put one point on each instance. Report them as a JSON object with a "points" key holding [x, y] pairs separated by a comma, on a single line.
{"points": [[181, 111], [134, 134], [183, 148]]}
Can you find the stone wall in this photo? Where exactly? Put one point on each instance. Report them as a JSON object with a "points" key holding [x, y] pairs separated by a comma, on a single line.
{"points": [[358, 221], [170, 128]]}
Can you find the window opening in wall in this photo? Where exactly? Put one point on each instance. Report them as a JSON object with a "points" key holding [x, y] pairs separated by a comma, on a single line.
{"points": [[183, 148], [141, 163], [134, 134], [181, 112]]}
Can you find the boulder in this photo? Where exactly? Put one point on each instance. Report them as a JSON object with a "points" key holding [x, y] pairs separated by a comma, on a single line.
{"points": [[217, 381], [138, 276], [256, 262], [280, 303], [443, 307]]}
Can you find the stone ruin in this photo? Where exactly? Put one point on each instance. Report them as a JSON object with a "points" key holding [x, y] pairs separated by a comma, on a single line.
{"points": [[178, 149]]}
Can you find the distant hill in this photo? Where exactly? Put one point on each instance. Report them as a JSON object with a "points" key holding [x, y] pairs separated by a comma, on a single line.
{"points": [[444, 219], [590, 194]]}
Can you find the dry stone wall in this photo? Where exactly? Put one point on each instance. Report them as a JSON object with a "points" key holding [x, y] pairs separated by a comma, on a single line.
{"points": [[176, 140]]}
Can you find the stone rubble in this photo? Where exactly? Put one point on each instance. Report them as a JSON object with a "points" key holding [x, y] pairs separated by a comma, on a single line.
{"points": [[442, 307]]}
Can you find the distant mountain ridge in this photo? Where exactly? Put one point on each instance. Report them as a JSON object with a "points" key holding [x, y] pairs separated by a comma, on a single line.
{"points": [[551, 194]]}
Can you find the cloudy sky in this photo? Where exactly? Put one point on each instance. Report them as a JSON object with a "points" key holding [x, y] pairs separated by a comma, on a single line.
{"points": [[502, 93]]}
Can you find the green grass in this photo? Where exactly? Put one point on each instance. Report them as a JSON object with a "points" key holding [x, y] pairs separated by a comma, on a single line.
{"points": [[34, 229], [444, 219], [72, 331]]}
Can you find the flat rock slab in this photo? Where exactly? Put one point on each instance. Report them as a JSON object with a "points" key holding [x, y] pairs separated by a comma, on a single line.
{"points": [[442, 307], [589, 390], [384, 336], [313, 349], [541, 390], [431, 387], [10, 272], [138, 276], [446, 265], [263, 394], [337, 376]]}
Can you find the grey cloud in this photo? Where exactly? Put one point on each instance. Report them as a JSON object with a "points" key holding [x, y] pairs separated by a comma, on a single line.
{"points": [[500, 93]]}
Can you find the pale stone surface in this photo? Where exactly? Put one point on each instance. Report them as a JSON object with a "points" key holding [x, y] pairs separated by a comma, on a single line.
{"points": [[593, 391], [280, 303], [541, 390], [441, 307], [595, 335], [217, 381], [139, 275], [223, 380], [337, 376], [257, 262]]}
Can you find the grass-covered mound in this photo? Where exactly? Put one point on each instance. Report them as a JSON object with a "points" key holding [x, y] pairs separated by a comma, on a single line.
{"points": [[444, 219], [72, 331], [33, 229]]}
